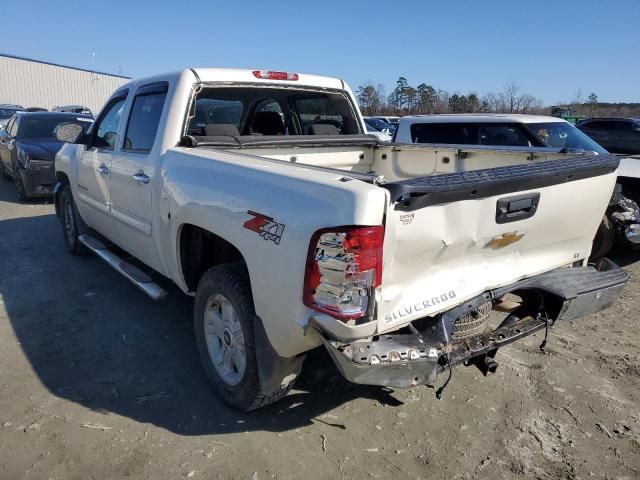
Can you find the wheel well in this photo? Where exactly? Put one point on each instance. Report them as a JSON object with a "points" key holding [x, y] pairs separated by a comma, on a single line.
{"points": [[630, 187], [200, 250], [63, 180]]}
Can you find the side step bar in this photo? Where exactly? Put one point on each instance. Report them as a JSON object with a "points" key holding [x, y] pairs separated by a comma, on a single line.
{"points": [[127, 270]]}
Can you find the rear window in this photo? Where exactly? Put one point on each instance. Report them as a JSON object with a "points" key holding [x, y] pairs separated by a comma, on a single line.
{"points": [[271, 111]]}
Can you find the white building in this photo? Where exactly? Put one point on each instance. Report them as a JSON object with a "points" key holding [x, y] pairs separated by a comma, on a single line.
{"points": [[33, 83]]}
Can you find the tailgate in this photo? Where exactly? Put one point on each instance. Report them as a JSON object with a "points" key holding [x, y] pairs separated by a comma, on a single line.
{"points": [[451, 237]]}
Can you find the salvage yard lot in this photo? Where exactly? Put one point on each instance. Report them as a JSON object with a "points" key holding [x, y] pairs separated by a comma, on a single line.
{"points": [[98, 381]]}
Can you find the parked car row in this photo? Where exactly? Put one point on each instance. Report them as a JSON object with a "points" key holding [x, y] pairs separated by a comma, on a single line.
{"points": [[28, 146], [8, 110]]}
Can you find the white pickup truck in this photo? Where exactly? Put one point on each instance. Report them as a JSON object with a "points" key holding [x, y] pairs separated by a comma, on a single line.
{"points": [[258, 193]]}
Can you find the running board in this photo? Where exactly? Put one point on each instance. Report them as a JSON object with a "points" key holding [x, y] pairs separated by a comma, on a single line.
{"points": [[127, 270]]}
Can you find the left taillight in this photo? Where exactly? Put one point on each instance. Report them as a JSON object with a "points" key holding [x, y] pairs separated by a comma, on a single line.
{"points": [[344, 265]]}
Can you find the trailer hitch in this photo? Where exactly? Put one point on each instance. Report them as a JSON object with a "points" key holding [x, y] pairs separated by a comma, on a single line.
{"points": [[486, 362]]}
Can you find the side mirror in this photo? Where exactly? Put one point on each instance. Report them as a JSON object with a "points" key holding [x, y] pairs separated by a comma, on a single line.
{"points": [[69, 133]]}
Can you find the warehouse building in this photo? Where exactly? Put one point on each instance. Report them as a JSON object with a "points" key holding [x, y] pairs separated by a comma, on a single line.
{"points": [[33, 83]]}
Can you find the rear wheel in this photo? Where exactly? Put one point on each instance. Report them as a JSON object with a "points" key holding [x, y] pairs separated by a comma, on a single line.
{"points": [[72, 224], [603, 240], [228, 337]]}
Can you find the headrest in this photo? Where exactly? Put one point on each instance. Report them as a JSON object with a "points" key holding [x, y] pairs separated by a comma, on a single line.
{"points": [[322, 129], [220, 129], [268, 123]]}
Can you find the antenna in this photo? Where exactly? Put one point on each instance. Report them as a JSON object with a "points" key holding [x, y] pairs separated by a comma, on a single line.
{"points": [[94, 76]]}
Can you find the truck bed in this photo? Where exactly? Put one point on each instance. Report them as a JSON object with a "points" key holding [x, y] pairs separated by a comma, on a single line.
{"points": [[446, 236]]}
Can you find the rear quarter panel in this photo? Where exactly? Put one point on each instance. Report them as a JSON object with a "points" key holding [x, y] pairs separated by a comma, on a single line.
{"points": [[214, 190]]}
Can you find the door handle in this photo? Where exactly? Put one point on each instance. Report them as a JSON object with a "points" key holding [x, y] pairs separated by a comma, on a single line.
{"points": [[103, 169], [140, 177]]}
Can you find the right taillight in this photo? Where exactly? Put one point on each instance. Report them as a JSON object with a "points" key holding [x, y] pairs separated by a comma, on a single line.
{"points": [[344, 265]]}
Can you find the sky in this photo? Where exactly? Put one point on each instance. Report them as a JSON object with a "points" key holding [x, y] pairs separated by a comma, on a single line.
{"points": [[551, 48]]}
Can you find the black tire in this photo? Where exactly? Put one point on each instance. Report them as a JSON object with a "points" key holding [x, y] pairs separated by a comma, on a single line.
{"points": [[21, 192], [603, 241], [72, 224], [3, 172], [232, 283]]}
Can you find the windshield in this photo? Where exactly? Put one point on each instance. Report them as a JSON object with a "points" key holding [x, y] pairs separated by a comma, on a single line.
{"points": [[562, 135], [8, 112], [44, 127]]}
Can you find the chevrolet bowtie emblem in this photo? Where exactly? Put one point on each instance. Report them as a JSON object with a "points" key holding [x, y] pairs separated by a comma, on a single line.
{"points": [[504, 240]]}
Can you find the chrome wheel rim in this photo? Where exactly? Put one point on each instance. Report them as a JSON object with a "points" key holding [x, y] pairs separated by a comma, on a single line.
{"points": [[68, 220], [224, 338]]}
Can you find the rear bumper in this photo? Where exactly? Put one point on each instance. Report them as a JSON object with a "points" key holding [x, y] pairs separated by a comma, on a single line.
{"points": [[405, 360]]}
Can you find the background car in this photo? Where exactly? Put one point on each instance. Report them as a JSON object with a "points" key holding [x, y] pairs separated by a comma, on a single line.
{"points": [[28, 147], [383, 137], [380, 125], [36, 109], [73, 109], [617, 135], [393, 121], [7, 111]]}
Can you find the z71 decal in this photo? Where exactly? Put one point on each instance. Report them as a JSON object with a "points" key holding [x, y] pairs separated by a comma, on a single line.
{"points": [[265, 226]]}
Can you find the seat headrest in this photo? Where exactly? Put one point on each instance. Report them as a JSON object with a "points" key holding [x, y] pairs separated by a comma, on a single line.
{"points": [[322, 129], [220, 129], [268, 123]]}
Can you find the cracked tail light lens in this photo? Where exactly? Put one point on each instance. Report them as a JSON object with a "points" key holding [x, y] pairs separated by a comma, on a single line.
{"points": [[344, 265]]}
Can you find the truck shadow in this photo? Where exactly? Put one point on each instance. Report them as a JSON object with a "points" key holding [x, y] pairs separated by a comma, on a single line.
{"points": [[624, 256], [93, 339], [8, 194]]}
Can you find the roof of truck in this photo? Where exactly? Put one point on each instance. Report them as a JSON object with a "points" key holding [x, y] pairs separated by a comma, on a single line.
{"points": [[237, 75], [480, 118]]}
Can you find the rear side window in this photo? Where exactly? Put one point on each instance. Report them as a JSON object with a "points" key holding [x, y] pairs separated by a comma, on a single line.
{"points": [[145, 117], [503, 135], [446, 133]]}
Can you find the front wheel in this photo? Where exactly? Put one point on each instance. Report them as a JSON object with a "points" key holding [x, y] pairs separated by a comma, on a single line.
{"points": [[227, 334], [21, 191], [72, 224], [3, 172]]}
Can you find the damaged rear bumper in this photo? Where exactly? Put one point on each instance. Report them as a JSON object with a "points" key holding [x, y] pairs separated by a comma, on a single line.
{"points": [[405, 360]]}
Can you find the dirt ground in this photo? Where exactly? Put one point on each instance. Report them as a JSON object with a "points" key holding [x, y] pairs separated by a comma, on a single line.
{"points": [[97, 381]]}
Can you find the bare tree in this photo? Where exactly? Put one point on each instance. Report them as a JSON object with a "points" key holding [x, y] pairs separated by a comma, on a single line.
{"points": [[492, 102], [526, 103], [511, 97]]}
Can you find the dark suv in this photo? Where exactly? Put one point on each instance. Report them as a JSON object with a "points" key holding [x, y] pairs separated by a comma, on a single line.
{"points": [[28, 147], [617, 135]]}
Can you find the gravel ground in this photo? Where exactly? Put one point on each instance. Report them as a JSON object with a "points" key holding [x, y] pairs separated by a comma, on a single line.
{"points": [[97, 381]]}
